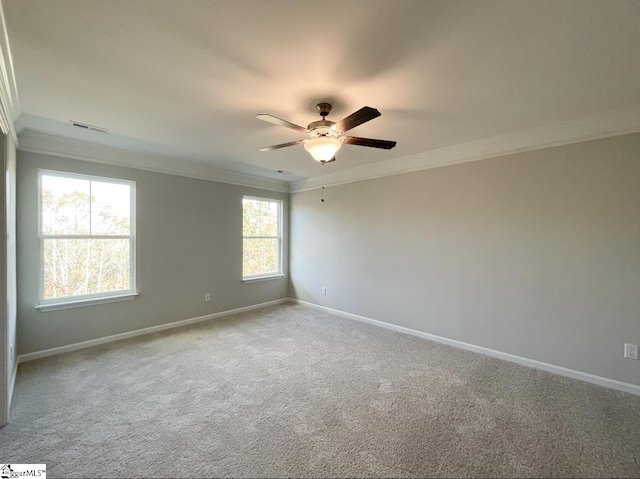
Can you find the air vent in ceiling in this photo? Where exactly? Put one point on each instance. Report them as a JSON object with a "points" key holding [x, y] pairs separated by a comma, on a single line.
{"points": [[88, 127]]}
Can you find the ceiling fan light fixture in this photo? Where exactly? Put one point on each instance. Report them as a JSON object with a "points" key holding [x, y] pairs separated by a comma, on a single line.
{"points": [[327, 137], [323, 148]]}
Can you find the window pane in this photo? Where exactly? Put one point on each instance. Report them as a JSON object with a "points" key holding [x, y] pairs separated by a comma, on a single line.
{"points": [[110, 208], [85, 266], [269, 219], [260, 218], [260, 256], [251, 218], [65, 206]]}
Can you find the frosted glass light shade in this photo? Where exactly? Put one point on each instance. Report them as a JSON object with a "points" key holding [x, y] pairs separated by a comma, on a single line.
{"points": [[322, 148]]}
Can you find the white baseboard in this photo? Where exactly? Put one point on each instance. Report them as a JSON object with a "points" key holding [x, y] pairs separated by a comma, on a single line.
{"points": [[139, 332], [570, 373], [562, 371]]}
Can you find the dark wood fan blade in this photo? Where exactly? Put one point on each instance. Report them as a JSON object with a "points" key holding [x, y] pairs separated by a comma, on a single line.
{"points": [[363, 115], [282, 145], [280, 122], [354, 140]]}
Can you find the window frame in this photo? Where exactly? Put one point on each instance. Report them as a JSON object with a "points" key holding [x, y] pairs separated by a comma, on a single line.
{"points": [[92, 298], [278, 273]]}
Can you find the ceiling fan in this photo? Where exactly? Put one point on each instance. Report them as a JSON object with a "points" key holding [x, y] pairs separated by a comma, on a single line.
{"points": [[327, 137]]}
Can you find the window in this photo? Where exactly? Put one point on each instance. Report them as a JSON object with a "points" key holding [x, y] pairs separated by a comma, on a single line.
{"points": [[87, 238], [262, 238]]}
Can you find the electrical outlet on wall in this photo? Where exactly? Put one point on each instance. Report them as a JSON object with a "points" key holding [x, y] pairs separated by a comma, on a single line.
{"points": [[631, 351], [324, 290], [207, 297]]}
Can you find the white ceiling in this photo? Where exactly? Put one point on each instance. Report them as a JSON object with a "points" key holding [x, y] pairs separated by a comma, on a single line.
{"points": [[185, 78]]}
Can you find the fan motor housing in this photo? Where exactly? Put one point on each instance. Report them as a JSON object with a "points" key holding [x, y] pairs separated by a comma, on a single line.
{"points": [[324, 124]]}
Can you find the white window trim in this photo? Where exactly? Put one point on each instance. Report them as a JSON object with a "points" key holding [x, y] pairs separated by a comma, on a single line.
{"points": [[276, 274], [85, 302], [96, 298], [258, 278]]}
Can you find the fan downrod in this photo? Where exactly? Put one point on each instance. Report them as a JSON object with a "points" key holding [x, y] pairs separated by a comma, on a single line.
{"points": [[323, 109]]}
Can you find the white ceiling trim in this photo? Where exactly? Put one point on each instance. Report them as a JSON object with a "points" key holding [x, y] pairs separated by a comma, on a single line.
{"points": [[573, 131], [38, 142], [9, 102]]}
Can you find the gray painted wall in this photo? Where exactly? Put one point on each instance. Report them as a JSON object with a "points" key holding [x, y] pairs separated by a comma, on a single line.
{"points": [[189, 242], [535, 254]]}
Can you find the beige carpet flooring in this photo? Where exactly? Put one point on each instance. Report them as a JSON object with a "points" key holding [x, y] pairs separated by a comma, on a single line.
{"points": [[290, 391]]}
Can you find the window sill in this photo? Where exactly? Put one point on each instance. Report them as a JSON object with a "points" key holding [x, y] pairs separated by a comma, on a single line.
{"points": [[257, 279], [85, 302]]}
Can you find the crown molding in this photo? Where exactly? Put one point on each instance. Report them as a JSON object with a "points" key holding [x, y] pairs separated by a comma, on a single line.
{"points": [[9, 101], [573, 131], [44, 143]]}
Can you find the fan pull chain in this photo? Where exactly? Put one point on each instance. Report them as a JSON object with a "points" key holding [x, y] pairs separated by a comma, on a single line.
{"points": [[322, 190]]}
